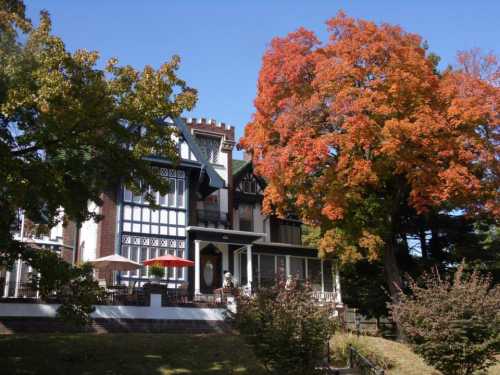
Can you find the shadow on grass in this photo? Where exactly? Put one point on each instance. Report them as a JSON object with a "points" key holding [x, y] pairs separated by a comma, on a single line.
{"points": [[159, 354]]}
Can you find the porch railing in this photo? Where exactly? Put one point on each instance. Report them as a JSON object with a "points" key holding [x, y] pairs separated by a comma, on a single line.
{"points": [[24, 290], [324, 296], [362, 364]]}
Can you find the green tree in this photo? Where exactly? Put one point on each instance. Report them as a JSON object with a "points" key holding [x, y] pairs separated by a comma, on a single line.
{"points": [[70, 131]]}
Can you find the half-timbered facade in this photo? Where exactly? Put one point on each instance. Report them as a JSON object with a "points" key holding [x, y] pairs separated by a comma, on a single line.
{"points": [[211, 215]]}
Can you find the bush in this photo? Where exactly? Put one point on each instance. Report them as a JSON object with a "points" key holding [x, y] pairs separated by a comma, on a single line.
{"points": [[157, 271], [74, 286], [453, 324], [288, 332]]}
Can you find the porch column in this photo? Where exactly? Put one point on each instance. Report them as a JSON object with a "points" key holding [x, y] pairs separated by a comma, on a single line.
{"points": [[196, 267], [249, 266], [322, 277], [18, 278], [236, 268], [338, 297], [7, 282]]}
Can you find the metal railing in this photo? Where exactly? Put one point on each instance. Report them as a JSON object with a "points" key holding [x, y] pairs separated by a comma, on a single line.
{"points": [[362, 364]]}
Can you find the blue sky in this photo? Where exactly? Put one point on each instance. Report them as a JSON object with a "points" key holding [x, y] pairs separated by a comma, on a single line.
{"points": [[221, 42]]}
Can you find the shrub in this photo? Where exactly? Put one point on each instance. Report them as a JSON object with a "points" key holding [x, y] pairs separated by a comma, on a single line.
{"points": [[75, 287], [157, 271], [288, 332], [453, 323]]}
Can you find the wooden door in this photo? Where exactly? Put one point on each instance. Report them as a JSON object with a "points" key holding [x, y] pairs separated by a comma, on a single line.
{"points": [[211, 270]]}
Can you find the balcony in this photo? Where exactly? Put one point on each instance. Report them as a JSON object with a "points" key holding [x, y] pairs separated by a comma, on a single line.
{"points": [[212, 218]]}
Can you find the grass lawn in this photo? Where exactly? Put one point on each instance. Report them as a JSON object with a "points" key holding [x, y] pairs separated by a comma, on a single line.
{"points": [[136, 354], [393, 357]]}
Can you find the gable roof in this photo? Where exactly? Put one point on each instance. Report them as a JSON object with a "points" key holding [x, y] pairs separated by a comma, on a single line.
{"points": [[208, 175], [238, 165], [241, 167]]}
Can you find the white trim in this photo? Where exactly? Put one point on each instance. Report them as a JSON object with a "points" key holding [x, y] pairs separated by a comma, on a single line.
{"points": [[117, 312], [282, 244], [197, 267], [249, 267], [225, 231]]}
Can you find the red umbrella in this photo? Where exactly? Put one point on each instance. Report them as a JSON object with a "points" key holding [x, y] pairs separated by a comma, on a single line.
{"points": [[169, 261]]}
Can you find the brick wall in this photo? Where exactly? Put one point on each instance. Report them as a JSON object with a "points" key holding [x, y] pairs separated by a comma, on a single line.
{"points": [[68, 241], [107, 226], [211, 126], [106, 232]]}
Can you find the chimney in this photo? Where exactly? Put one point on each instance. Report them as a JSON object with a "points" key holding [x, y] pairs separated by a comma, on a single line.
{"points": [[247, 156]]}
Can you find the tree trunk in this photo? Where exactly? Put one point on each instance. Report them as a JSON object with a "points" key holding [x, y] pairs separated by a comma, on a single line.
{"points": [[423, 243], [392, 273], [394, 279]]}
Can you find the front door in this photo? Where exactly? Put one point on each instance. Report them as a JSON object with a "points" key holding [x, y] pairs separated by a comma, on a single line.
{"points": [[211, 269]]}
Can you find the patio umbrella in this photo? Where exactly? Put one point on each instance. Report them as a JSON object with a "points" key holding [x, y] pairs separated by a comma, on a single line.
{"points": [[169, 261], [114, 262]]}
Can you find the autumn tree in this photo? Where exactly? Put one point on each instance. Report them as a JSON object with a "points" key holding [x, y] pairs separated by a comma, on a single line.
{"points": [[362, 136], [69, 130]]}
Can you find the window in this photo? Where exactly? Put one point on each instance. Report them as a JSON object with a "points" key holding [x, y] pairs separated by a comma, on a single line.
{"points": [[267, 270], [139, 249], [285, 231], [246, 217], [249, 184], [298, 268], [328, 276], [209, 147], [314, 273], [138, 217]]}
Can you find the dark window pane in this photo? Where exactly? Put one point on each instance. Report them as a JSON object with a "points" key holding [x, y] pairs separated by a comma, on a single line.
{"points": [[297, 268], [328, 276], [267, 274], [314, 273]]}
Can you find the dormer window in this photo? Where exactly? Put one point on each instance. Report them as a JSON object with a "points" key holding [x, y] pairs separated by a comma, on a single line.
{"points": [[249, 185], [209, 147]]}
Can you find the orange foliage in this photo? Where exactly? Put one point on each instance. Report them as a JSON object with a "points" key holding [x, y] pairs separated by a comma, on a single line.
{"points": [[366, 111]]}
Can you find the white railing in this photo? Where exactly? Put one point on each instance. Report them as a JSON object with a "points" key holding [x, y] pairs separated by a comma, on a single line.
{"points": [[324, 296]]}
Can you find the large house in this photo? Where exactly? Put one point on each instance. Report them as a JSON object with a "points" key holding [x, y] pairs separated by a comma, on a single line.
{"points": [[211, 215]]}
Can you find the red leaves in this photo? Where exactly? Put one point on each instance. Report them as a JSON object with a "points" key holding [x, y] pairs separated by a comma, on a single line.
{"points": [[336, 120]]}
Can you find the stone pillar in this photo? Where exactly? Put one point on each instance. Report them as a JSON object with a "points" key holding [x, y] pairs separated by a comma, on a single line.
{"points": [[196, 267], [249, 267]]}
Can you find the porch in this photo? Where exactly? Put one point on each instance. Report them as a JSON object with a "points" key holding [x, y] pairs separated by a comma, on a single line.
{"points": [[255, 264]]}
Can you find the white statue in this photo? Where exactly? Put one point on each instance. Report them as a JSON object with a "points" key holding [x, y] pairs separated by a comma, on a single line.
{"points": [[228, 281]]}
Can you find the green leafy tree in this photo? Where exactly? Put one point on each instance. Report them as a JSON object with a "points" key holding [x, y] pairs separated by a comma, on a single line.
{"points": [[454, 323], [70, 131]]}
